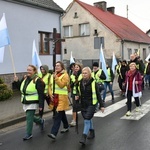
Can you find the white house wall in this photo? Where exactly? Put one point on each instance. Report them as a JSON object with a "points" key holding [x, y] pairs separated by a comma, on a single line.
{"points": [[23, 24]]}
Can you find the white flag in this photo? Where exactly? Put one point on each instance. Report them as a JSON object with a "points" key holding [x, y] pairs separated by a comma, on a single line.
{"points": [[71, 59], [114, 63], [1, 54], [147, 57]]}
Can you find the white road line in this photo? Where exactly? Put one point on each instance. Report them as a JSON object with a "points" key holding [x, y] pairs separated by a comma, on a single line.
{"points": [[144, 109], [112, 108]]}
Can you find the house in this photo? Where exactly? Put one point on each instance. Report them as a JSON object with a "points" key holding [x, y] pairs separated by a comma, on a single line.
{"points": [[85, 26], [148, 32], [29, 20]]}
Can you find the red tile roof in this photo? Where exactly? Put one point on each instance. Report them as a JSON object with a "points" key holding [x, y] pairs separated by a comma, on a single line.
{"points": [[121, 26]]}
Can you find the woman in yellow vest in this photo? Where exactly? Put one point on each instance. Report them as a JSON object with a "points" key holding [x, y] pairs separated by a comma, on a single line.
{"points": [[109, 83], [32, 97], [74, 80], [58, 92], [45, 76], [90, 96]]}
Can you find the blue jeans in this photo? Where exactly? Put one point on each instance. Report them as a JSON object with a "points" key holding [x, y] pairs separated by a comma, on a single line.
{"points": [[59, 116], [88, 124], [107, 84]]}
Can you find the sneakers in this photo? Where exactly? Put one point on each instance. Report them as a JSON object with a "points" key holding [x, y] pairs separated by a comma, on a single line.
{"points": [[128, 113], [28, 137], [52, 136], [72, 124], [42, 124], [64, 130], [137, 109]]}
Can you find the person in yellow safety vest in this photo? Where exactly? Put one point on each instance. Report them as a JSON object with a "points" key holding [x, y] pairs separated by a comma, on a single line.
{"points": [[32, 97], [147, 71], [89, 95], [109, 83], [121, 71], [98, 74], [58, 92], [118, 66], [74, 81], [45, 76]]}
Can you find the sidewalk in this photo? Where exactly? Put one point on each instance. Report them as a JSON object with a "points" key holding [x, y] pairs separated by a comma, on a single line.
{"points": [[11, 111]]}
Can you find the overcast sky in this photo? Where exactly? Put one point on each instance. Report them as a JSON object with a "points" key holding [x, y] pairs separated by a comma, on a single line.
{"points": [[138, 10]]}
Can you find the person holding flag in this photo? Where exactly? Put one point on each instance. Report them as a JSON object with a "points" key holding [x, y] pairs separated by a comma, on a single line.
{"points": [[32, 97], [109, 83]]}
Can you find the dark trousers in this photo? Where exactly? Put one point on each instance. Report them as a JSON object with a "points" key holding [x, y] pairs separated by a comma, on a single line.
{"points": [[129, 101], [59, 116], [120, 82]]}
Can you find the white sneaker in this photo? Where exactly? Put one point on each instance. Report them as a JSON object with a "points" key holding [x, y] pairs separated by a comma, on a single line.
{"points": [[128, 113], [72, 124], [137, 109]]}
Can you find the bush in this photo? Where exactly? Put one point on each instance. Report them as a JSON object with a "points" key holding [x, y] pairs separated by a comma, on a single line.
{"points": [[5, 92]]}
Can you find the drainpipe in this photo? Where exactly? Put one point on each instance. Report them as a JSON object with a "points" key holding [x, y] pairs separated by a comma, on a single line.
{"points": [[122, 46]]}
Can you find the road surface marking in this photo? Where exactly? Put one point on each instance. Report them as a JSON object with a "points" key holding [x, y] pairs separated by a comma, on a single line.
{"points": [[144, 109]]}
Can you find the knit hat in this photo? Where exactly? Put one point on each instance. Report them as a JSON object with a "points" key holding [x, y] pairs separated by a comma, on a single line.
{"points": [[95, 64]]}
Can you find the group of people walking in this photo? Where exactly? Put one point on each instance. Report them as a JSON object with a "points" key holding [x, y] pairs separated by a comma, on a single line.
{"points": [[87, 89]]}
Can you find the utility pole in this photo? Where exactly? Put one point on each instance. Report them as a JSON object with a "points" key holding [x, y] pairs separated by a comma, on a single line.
{"points": [[127, 11]]}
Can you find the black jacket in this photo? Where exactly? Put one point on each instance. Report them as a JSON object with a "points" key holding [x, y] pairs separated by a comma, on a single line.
{"points": [[40, 86], [86, 93]]}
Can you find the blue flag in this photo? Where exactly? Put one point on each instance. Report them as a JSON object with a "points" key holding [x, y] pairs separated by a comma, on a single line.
{"points": [[4, 37], [35, 57]]}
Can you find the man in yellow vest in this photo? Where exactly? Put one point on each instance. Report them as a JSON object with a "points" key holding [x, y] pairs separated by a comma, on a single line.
{"points": [[98, 74]]}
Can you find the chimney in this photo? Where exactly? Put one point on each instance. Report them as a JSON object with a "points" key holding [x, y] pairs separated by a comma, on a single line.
{"points": [[111, 9], [101, 5]]}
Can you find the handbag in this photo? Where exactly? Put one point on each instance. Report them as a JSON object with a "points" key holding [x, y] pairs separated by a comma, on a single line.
{"points": [[101, 87], [55, 100]]}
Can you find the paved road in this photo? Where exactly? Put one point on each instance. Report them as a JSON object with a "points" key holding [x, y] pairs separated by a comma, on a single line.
{"points": [[114, 131]]}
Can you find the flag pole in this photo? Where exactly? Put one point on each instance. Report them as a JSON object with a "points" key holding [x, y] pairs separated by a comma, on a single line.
{"points": [[12, 60]]}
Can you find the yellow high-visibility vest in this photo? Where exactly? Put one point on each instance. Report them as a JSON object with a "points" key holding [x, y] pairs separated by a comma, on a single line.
{"points": [[31, 93], [94, 96], [45, 79], [58, 90], [109, 75], [96, 76], [72, 77]]}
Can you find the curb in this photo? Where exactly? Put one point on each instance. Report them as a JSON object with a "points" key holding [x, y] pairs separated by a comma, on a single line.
{"points": [[14, 120], [17, 120]]}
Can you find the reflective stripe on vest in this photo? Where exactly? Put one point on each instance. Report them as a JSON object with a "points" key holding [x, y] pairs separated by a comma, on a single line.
{"points": [[45, 80], [31, 91], [58, 90], [94, 96], [73, 80]]}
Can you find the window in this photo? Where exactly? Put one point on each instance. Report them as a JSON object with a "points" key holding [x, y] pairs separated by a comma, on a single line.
{"points": [[84, 29], [144, 53], [129, 52], [68, 31], [44, 45]]}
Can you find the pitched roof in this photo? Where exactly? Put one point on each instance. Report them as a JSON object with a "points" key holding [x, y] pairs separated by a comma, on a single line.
{"points": [[121, 26], [47, 4]]}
